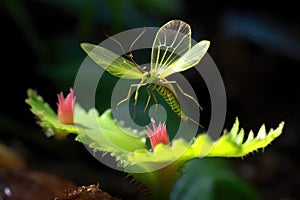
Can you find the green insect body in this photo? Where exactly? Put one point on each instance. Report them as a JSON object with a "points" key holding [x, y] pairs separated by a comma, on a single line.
{"points": [[171, 100]]}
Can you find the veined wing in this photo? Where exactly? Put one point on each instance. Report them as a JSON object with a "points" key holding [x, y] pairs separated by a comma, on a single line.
{"points": [[191, 58], [111, 62], [171, 42]]}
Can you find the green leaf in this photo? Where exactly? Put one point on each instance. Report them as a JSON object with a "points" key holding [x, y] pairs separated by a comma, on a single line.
{"points": [[100, 132], [228, 145], [47, 118], [137, 157], [211, 179], [233, 144], [105, 134]]}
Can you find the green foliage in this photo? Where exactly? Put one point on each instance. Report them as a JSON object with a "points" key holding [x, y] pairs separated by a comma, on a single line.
{"points": [[229, 145], [99, 132], [102, 132], [214, 180], [232, 144]]}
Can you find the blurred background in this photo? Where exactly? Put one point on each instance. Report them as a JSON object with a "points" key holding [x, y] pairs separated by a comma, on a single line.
{"points": [[256, 48]]}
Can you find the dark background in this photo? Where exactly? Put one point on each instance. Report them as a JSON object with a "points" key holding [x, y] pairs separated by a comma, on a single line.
{"points": [[256, 48]]}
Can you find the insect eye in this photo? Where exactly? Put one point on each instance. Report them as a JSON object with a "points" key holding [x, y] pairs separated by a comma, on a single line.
{"points": [[146, 69]]}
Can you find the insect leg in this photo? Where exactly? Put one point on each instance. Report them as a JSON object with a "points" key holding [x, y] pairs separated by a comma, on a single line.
{"points": [[149, 97], [128, 95], [136, 97], [154, 98], [137, 91]]}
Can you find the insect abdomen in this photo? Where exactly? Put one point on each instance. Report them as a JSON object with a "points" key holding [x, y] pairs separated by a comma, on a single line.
{"points": [[171, 99]]}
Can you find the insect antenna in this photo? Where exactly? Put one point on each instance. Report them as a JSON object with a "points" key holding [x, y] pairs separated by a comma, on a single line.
{"points": [[116, 41], [136, 39], [130, 55]]}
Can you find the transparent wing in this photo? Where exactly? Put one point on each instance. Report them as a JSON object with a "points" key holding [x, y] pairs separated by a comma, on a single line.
{"points": [[171, 42], [191, 58], [111, 62]]}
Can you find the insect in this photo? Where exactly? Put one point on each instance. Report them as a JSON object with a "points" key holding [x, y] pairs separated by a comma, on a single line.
{"points": [[171, 53]]}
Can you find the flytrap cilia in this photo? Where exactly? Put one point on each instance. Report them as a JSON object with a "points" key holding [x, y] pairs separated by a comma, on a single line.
{"points": [[171, 52]]}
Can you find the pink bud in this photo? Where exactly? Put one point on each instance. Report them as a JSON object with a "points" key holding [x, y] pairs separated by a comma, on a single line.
{"points": [[158, 135], [66, 107]]}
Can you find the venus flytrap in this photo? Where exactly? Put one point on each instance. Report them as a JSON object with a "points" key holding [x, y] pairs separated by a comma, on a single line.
{"points": [[160, 167]]}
